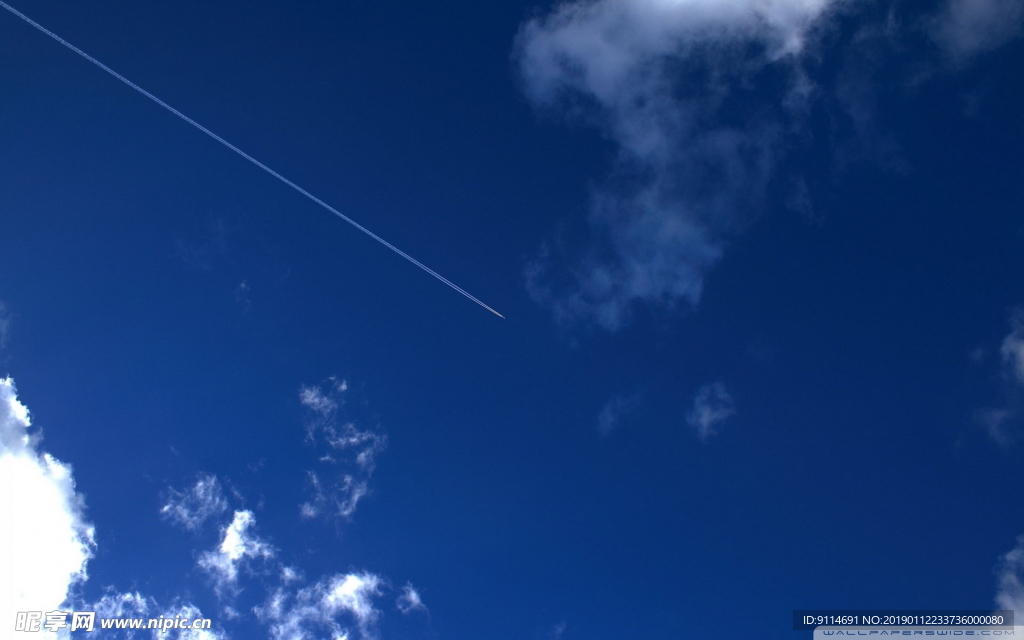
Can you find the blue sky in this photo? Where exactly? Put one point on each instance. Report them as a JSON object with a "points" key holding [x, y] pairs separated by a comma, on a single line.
{"points": [[760, 265]]}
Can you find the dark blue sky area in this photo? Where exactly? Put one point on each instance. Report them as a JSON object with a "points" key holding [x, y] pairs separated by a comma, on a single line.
{"points": [[168, 301]]}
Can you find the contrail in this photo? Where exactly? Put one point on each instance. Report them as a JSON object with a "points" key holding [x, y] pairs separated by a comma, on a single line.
{"points": [[247, 156]]}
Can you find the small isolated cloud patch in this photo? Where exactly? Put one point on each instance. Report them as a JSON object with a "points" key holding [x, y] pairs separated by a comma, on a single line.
{"points": [[193, 507], [208, 248], [289, 575], [711, 407], [323, 399], [614, 412], [409, 600], [557, 631], [45, 542], [346, 453], [239, 548], [243, 296], [5, 325], [330, 605]]}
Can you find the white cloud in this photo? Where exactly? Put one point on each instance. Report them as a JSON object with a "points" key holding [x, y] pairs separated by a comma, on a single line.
{"points": [[322, 606], [968, 27], [354, 593], [122, 605], [409, 600], [342, 605], [45, 545], [657, 77], [191, 612], [193, 507], [136, 605], [1011, 573], [348, 452], [239, 548], [313, 398], [45, 542], [613, 412], [711, 407], [325, 398]]}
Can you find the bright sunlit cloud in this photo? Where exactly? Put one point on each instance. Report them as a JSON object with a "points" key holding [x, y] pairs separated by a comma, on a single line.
{"points": [[45, 541], [330, 606], [240, 548]]}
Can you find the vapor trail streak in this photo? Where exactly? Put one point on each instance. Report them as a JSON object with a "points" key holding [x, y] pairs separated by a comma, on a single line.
{"points": [[247, 156]]}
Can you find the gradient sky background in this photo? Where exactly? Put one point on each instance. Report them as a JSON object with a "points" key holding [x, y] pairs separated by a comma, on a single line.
{"points": [[760, 266]]}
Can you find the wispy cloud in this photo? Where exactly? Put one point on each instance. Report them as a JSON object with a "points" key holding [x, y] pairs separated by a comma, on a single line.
{"points": [[239, 548], [614, 411], [207, 247], [1010, 594], [965, 28], [46, 544], [998, 420], [996, 423], [329, 606], [136, 605], [340, 605], [669, 83], [5, 325], [193, 507], [711, 407], [45, 541], [324, 398], [409, 600], [705, 104], [243, 296], [346, 453], [1012, 349]]}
